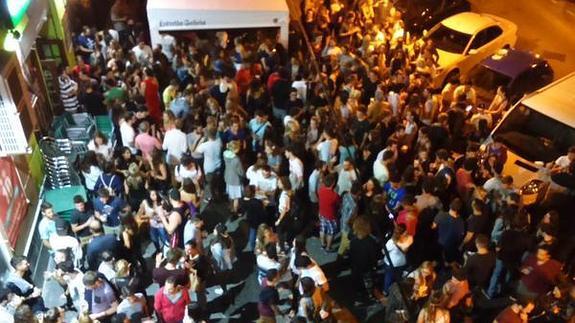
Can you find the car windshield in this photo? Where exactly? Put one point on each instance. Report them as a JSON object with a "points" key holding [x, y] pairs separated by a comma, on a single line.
{"points": [[487, 80], [533, 135], [449, 40]]}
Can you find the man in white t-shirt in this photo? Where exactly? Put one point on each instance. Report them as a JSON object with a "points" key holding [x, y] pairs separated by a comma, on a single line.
{"points": [[143, 53], [295, 169], [176, 143], [168, 43], [266, 183], [127, 132], [346, 176], [562, 163], [300, 85]]}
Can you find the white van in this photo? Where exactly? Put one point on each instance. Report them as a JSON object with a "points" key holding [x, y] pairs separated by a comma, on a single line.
{"points": [[536, 131]]}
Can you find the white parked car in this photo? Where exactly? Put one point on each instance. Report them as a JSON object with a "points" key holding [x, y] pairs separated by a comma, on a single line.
{"points": [[464, 39]]}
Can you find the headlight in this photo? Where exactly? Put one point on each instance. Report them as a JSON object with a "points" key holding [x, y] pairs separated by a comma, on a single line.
{"points": [[532, 187]]}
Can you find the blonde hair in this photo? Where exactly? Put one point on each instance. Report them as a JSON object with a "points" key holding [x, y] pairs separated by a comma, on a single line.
{"points": [[122, 268], [234, 146]]}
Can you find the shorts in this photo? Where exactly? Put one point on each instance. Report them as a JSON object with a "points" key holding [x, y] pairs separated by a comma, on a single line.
{"points": [[326, 226]]}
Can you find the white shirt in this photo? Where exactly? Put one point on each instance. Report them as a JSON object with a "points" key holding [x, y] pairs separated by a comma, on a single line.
{"points": [[77, 289], [143, 55], [284, 202], [395, 253], [58, 242], [296, 173], [168, 43], [181, 173], [266, 264], [191, 232], [313, 185], [212, 150], [380, 172], [193, 139], [492, 184], [105, 150], [345, 180], [175, 142], [324, 151], [252, 175], [314, 272], [301, 88], [563, 161], [128, 135], [107, 270], [92, 177], [267, 185]]}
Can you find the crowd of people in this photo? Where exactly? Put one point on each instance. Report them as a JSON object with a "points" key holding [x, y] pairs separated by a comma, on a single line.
{"points": [[349, 144]]}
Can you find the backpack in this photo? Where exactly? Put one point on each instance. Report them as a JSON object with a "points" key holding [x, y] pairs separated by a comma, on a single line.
{"points": [[109, 185]]}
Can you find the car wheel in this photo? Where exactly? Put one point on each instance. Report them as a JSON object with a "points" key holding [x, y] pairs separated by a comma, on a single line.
{"points": [[450, 76]]}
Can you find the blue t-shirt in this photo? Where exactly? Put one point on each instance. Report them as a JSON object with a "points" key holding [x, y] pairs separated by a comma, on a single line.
{"points": [[450, 230], [394, 196], [111, 210], [230, 136], [180, 107], [46, 228]]}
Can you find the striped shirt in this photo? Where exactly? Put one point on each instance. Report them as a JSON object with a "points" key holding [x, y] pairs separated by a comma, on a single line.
{"points": [[68, 95]]}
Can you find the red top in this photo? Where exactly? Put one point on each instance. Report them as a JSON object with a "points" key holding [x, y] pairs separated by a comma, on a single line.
{"points": [[328, 202], [86, 69], [272, 79], [152, 96], [508, 316], [409, 221], [171, 312], [541, 278], [463, 179], [244, 78]]}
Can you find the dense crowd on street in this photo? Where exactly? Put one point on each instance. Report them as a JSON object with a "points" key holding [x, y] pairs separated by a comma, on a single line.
{"points": [[349, 144]]}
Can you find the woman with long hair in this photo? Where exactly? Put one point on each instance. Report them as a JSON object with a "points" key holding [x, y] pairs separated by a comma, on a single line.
{"points": [[101, 145], [148, 213], [130, 240], [364, 253], [394, 252], [433, 311], [190, 196], [135, 186], [264, 235], [124, 160], [424, 279], [285, 220], [91, 171], [371, 188], [159, 176], [223, 253]]}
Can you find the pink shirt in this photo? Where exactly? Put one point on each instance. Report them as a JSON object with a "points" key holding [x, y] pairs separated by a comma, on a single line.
{"points": [[146, 143]]}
